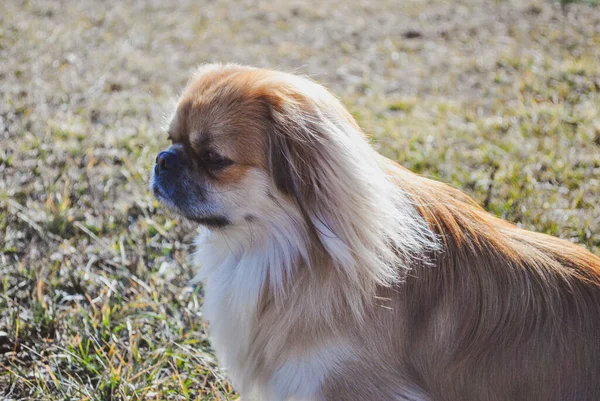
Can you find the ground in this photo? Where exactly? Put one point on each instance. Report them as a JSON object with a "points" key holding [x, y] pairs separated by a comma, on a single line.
{"points": [[499, 98]]}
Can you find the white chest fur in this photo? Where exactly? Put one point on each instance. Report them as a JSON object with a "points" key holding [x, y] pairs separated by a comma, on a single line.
{"points": [[230, 311], [233, 285]]}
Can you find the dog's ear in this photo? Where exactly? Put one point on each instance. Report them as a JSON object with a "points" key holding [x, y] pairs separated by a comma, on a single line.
{"points": [[296, 147], [319, 157]]}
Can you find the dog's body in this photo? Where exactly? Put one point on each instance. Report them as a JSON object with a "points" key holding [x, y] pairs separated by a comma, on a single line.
{"points": [[333, 274]]}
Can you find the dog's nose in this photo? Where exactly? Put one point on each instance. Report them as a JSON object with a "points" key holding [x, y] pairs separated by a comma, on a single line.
{"points": [[166, 160]]}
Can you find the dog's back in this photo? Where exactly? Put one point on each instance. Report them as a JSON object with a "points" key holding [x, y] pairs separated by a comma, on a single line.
{"points": [[500, 313]]}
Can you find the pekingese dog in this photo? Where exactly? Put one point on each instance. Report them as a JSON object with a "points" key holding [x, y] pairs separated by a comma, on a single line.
{"points": [[332, 273]]}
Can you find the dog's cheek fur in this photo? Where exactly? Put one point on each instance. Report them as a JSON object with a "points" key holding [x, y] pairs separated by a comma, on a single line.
{"points": [[242, 194]]}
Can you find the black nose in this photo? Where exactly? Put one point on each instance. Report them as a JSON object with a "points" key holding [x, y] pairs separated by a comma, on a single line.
{"points": [[167, 160]]}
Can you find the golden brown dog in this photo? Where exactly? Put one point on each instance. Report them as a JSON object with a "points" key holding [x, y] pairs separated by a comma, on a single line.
{"points": [[332, 273]]}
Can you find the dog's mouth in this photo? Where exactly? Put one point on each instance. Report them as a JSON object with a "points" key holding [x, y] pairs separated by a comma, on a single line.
{"points": [[212, 221], [215, 221]]}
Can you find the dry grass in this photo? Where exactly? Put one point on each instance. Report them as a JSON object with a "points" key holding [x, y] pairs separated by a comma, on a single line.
{"points": [[499, 98]]}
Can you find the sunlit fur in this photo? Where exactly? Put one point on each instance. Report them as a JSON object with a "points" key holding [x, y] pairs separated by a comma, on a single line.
{"points": [[343, 276]]}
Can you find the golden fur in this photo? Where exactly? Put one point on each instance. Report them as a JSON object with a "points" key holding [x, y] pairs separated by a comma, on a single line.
{"points": [[332, 273]]}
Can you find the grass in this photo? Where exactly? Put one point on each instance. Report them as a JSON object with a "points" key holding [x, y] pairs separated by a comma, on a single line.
{"points": [[500, 99]]}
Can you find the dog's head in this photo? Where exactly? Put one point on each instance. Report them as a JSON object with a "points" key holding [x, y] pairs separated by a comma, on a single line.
{"points": [[260, 148], [216, 171], [246, 140]]}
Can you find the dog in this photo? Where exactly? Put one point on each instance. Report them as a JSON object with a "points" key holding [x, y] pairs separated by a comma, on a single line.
{"points": [[333, 273]]}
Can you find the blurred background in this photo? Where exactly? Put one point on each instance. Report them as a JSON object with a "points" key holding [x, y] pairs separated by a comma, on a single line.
{"points": [[500, 98]]}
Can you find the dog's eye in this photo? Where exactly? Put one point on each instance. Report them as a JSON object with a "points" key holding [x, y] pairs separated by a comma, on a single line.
{"points": [[215, 161]]}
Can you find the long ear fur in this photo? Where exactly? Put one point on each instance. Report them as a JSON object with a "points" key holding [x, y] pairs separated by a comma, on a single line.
{"points": [[319, 157]]}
